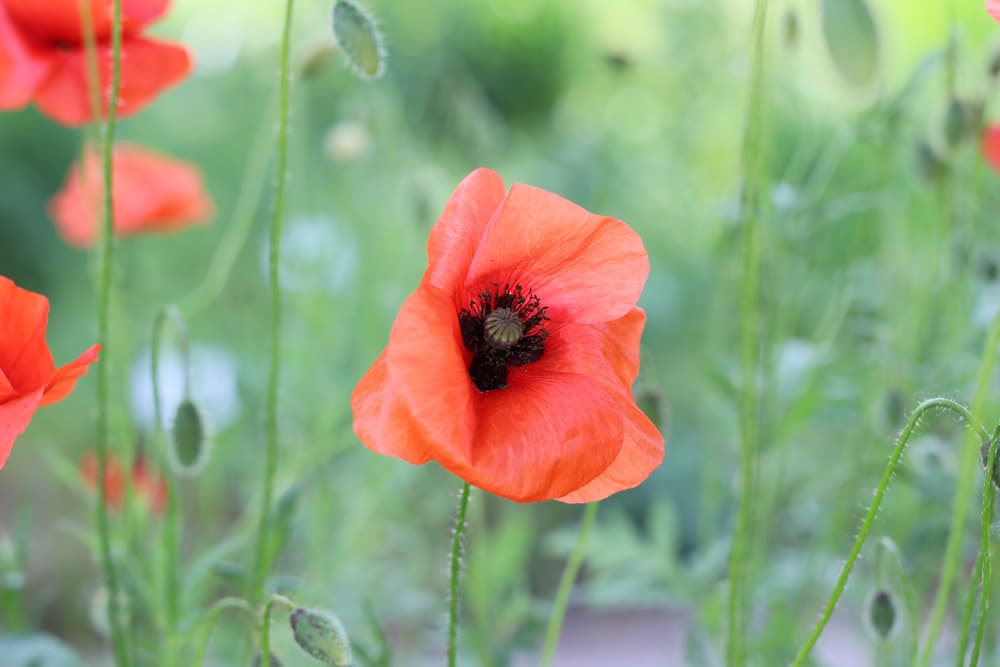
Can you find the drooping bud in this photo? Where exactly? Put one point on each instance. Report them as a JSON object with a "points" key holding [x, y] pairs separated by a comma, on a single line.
{"points": [[359, 38], [189, 442], [881, 615], [503, 329], [321, 634], [272, 660], [851, 39]]}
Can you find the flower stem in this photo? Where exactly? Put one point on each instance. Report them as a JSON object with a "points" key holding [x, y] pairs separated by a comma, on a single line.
{"points": [[963, 499], [985, 555], [171, 527], [265, 627], [118, 638], [566, 584], [212, 615], [890, 469], [749, 339], [261, 561], [455, 570]]}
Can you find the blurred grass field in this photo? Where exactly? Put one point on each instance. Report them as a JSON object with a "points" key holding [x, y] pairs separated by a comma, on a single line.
{"points": [[881, 274]]}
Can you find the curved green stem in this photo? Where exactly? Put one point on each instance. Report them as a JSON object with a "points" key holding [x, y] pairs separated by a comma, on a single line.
{"points": [[963, 500], [749, 341], [212, 615], [985, 550], [566, 585], [261, 560], [890, 469], [171, 527], [118, 638], [455, 571]]}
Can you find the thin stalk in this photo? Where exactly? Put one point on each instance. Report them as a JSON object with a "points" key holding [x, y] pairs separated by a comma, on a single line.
{"points": [[261, 562], [749, 341], [985, 550], [890, 469], [963, 499], [212, 615], [455, 571], [566, 584], [970, 605], [171, 534], [118, 638], [265, 627]]}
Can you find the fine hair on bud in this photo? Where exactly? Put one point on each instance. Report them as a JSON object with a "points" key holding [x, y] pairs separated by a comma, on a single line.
{"points": [[189, 443], [881, 615], [320, 633], [359, 37]]}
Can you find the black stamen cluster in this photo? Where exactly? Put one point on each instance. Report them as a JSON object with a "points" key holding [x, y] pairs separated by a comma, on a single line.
{"points": [[491, 362]]}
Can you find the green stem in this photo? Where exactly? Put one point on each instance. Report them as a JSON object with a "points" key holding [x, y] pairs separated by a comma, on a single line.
{"points": [[985, 552], [265, 627], [455, 570], [749, 340], [171, 527], [566, 584], [963, 499], [261, 562], [118, 638], [212, 615], [890, 469], [970, 605]]}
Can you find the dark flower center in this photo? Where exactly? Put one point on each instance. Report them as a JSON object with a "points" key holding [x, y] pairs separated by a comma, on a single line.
{"points": [[502, 328]]}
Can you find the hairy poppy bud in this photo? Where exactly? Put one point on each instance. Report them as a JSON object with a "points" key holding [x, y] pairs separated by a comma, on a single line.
{"points": [[851, 39], [272, 660], [881, 615], [360, 39], [321, 635], [189, 440]]}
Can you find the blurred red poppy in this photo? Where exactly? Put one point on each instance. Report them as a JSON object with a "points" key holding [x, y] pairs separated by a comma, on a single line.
{"points": [[991, 146], [149, 486], [42, 57], [28, 377], [512, 363], [152, 193], [993, 7]]}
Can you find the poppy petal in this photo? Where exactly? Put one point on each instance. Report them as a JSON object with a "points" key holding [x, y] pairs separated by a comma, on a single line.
{"points": [[993, 7], [148, 68], [991, 147], [7, 390], [23, 65], [583, 267], [640, 455], [455, 237], [621, 338], [65, 377], [58, 21], [152, 192], [427, 370], [15, 415], [24, 355], [381, 421]]}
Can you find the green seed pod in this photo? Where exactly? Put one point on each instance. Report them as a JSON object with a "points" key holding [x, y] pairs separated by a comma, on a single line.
{"points": [[272, 660], [189, 441], [360, 39], [321, 634], [881, 615], [851, 39]]}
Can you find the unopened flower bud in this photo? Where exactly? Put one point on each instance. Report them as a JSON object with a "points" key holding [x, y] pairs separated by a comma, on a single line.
{"points": [[321, 634], [189, 440], [359, 38], [881, 614]]}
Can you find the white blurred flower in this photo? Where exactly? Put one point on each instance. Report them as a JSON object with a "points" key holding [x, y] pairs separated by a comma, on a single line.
{"points": [[347, 141], [214, 374], [317, 254]]}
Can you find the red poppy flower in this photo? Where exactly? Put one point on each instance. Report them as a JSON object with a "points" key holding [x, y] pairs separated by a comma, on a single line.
{"points": [[149, 486], [152, 193], [993, 7], [42, 57], [991, 146], [28, 377], [512, 363]]}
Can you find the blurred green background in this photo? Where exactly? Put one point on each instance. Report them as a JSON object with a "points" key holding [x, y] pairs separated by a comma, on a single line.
{"points": [[880, 276]]}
